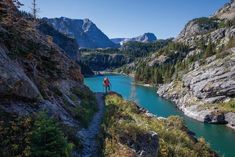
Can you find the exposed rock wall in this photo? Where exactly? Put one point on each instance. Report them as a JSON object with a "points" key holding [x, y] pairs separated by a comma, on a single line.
{"points": [[208, 84]]}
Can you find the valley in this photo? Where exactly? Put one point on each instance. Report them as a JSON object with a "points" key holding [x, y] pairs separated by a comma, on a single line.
{"points": [[53, 100]]}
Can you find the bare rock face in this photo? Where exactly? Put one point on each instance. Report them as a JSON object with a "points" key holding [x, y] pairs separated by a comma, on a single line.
{"points": [[197, 27], [213, 80], [86, 33], [13, 80], [219, 36]]}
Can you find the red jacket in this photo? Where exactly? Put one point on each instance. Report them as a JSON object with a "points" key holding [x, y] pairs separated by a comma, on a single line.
{"points": [[106, 82]]}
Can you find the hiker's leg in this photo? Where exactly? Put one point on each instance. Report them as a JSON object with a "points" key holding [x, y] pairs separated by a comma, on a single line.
{"points": [[106, 89]]}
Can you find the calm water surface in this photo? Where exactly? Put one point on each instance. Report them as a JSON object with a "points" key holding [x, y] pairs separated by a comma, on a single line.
{"points": [[221, 138]]}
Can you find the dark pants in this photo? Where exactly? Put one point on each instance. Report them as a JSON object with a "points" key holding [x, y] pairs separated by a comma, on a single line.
{"points": [[107, 89]]}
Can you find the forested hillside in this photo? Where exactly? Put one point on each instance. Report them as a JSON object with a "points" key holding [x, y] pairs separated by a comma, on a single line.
{"points": [[196, 70]]}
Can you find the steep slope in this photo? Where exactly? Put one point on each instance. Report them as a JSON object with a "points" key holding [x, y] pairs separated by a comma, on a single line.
{"points": [[42, 95], [84, 31], [147, 37]]}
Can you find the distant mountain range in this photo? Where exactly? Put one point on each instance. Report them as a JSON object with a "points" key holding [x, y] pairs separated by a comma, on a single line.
{"points": [[86, 33], [147, 37]]}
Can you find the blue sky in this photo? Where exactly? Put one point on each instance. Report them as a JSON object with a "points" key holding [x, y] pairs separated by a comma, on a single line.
{"points": [[129, 18]]}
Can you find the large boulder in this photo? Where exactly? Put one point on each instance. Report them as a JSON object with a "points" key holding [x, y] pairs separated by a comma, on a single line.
{"points": [[13, 81]]}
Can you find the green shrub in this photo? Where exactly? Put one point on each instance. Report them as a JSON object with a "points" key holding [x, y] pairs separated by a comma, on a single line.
{"points": [[48, 140]]}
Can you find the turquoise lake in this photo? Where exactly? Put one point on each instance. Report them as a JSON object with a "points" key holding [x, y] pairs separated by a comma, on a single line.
{"points": [[220, 138]]}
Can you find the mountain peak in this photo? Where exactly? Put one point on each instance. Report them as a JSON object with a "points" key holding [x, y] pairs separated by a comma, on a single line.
{"points": [[146, 37], [86, 33]]}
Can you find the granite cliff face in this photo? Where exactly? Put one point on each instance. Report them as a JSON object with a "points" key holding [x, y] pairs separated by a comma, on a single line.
{"points": [[84, 31]]}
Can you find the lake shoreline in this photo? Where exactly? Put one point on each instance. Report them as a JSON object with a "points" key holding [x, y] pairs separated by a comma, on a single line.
{"points": [[161, 107], [184, 110]]}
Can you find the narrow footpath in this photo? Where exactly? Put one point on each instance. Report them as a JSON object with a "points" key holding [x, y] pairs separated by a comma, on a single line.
{"points": [[89, 136]]}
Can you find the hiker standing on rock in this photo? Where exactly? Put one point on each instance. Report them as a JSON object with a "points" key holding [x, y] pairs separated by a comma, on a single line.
{"points": [[106, 84]]}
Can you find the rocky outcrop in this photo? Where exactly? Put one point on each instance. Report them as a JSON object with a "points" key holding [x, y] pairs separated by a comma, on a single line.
{"points": [[219, 37], [84, 31], [214, 80], [197, 27]]}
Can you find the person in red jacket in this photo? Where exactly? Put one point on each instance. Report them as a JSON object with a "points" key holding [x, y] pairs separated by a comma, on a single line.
{"points": [[106, 84]]}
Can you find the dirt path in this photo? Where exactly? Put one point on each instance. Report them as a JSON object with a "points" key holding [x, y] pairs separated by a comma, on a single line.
{"points": [[88, 136]]}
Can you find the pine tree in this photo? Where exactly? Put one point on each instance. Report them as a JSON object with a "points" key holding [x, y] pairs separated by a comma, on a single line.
{"points": [[34, 10]]}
